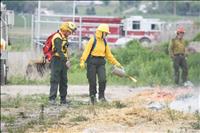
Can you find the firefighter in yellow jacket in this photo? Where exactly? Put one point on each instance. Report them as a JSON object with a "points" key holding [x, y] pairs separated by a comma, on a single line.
{"points": [[94, 55], [59, 62]]}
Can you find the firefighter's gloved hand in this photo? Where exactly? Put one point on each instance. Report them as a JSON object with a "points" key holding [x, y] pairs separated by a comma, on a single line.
{"points": [[68, 64], [82, 65], [119, 65]]}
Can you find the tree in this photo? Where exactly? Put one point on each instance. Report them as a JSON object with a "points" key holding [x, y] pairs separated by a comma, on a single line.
{"points": [[21, 6], [76, 10], [123, 5], [61, 7], [91, 11], [181, 8], [106, 2]]}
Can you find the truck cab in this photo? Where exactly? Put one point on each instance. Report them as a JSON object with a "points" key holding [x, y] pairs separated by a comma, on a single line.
{"points": [[143, 29]]}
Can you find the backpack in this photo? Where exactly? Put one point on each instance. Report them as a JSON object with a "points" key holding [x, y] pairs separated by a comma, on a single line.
{"points": [[47, 48], [94, 45]]}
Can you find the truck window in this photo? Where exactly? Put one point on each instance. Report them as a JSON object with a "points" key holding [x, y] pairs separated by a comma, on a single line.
{"points": [[136, 25], [121, 31], [154, 27]]}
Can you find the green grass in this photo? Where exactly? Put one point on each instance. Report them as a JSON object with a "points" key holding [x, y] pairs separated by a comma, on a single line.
{"points": [[21, 79], [119, 104], [19, 21], [18, 101], [8, 118], [153, 67], [19, 44], [194, 65], [197, 37], [20, 39], [149, 66], [12, 102], [79, 118]]}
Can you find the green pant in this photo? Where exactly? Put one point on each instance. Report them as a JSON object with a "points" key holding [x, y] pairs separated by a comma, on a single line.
{"points": [[96, 67], [180, 62], [58, 77]]}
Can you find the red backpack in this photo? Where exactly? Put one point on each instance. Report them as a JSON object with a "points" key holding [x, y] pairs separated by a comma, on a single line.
{"points": [[47, 48]]}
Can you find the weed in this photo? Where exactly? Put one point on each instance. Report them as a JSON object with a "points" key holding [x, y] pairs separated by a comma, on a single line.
{"points": [[12, 102], [23, 128], [8, 118], [36, 99], [79, 118], [196, 125], [170, 112], [119, 104], [104, 105], [197, 37], [77, 104]]}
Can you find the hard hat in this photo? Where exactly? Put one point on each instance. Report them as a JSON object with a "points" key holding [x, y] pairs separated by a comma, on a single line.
{"points": [[68, 26], [103, 28], [180, 30]]}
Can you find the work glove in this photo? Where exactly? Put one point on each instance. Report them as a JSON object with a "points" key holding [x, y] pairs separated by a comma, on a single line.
{"points": [[68, 64], [119, 65], [82, 65]]}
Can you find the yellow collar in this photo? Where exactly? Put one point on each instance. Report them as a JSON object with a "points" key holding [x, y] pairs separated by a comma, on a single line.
{"points": [[62, 36]]}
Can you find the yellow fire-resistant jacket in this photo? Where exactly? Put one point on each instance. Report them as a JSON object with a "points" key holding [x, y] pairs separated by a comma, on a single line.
{"points": [[176, 46], [99, 50], [59, 45]]}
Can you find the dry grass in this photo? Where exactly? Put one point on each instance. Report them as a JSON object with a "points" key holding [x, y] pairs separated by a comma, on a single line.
{"points": [[133, 117]]}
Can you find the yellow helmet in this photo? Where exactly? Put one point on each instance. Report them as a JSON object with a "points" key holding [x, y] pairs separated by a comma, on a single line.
{"points": [[68, 26], [103, 28]]}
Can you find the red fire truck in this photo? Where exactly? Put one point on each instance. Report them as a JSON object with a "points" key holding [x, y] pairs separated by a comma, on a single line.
{"points": [[135, 27], [122, 30], [143, 29]]}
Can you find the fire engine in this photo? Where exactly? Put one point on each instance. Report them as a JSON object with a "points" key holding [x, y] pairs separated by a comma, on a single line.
{"points": [[122, 30], [145, 30]]}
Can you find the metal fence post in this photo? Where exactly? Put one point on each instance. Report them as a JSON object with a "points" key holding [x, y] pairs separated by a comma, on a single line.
{"points": [[38, 26], [80, 32], [25, 24], [32, 32]]}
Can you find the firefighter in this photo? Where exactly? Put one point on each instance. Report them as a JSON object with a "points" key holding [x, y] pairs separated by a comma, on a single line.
{"points": [[177, 52], [94, 55], [58, 63]]}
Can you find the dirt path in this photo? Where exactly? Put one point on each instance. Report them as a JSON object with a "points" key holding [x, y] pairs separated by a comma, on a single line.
{"points": [[112, 92]]}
